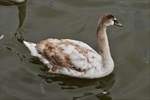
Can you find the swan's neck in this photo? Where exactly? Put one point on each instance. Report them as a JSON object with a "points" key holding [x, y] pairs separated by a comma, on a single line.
{"points": [[103, 44], [104, 50]]}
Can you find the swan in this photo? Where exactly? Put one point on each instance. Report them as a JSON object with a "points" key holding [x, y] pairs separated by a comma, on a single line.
{"points": [[75, 58]]}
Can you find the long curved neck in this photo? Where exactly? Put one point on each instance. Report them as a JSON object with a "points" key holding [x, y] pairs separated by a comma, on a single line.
{"points": [[102, 40]]}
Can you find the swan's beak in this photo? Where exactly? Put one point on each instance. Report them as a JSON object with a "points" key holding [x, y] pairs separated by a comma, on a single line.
{"points": [[116, 22]]}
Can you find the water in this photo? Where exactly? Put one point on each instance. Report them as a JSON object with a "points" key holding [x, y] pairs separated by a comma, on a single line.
{"points": [[22, 77]]}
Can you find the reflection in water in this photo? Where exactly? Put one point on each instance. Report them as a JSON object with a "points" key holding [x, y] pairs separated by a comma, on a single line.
{"points": [[21, 15], [104, 97], [73, 83], [11, 2], [100, 87], [10, 44]]}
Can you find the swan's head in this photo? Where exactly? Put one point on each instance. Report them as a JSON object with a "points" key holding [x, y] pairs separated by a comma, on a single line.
{"points": [[109, 20]]}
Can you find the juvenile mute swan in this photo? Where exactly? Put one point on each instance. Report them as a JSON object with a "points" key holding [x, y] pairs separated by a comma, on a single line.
{"points": [[75, 58]]}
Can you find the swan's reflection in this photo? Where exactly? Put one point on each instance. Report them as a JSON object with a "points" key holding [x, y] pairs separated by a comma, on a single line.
{"points": [[21, 6], [86, 87], [9, 43], [21, 15], [11, 2]]}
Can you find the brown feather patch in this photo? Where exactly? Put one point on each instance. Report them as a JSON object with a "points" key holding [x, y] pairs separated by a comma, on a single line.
{"points": [[55, 55]]}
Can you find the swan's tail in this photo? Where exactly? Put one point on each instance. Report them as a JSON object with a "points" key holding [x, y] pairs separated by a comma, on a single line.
{"points": [[34, 52], [32, 48]]}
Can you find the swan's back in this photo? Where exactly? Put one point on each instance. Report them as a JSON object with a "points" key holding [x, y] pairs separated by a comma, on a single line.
{"points": [[69, 57]]}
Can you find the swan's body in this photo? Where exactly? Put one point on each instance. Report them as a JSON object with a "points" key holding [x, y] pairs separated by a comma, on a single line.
{"points": [[70, 57], [73, 58]]}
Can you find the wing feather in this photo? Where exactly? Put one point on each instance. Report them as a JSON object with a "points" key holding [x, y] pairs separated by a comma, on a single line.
{"points": [[66, 53]]}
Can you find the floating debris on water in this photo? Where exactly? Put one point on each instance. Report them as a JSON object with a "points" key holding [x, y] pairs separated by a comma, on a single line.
{"points": [[105, 92], [1, 37]]}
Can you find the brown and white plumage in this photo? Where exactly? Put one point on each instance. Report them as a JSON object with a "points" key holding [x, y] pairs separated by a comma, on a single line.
{"points": [[71, 57]]}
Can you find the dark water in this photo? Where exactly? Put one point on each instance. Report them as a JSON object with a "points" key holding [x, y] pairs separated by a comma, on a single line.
{"points": [[22, 77]]}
